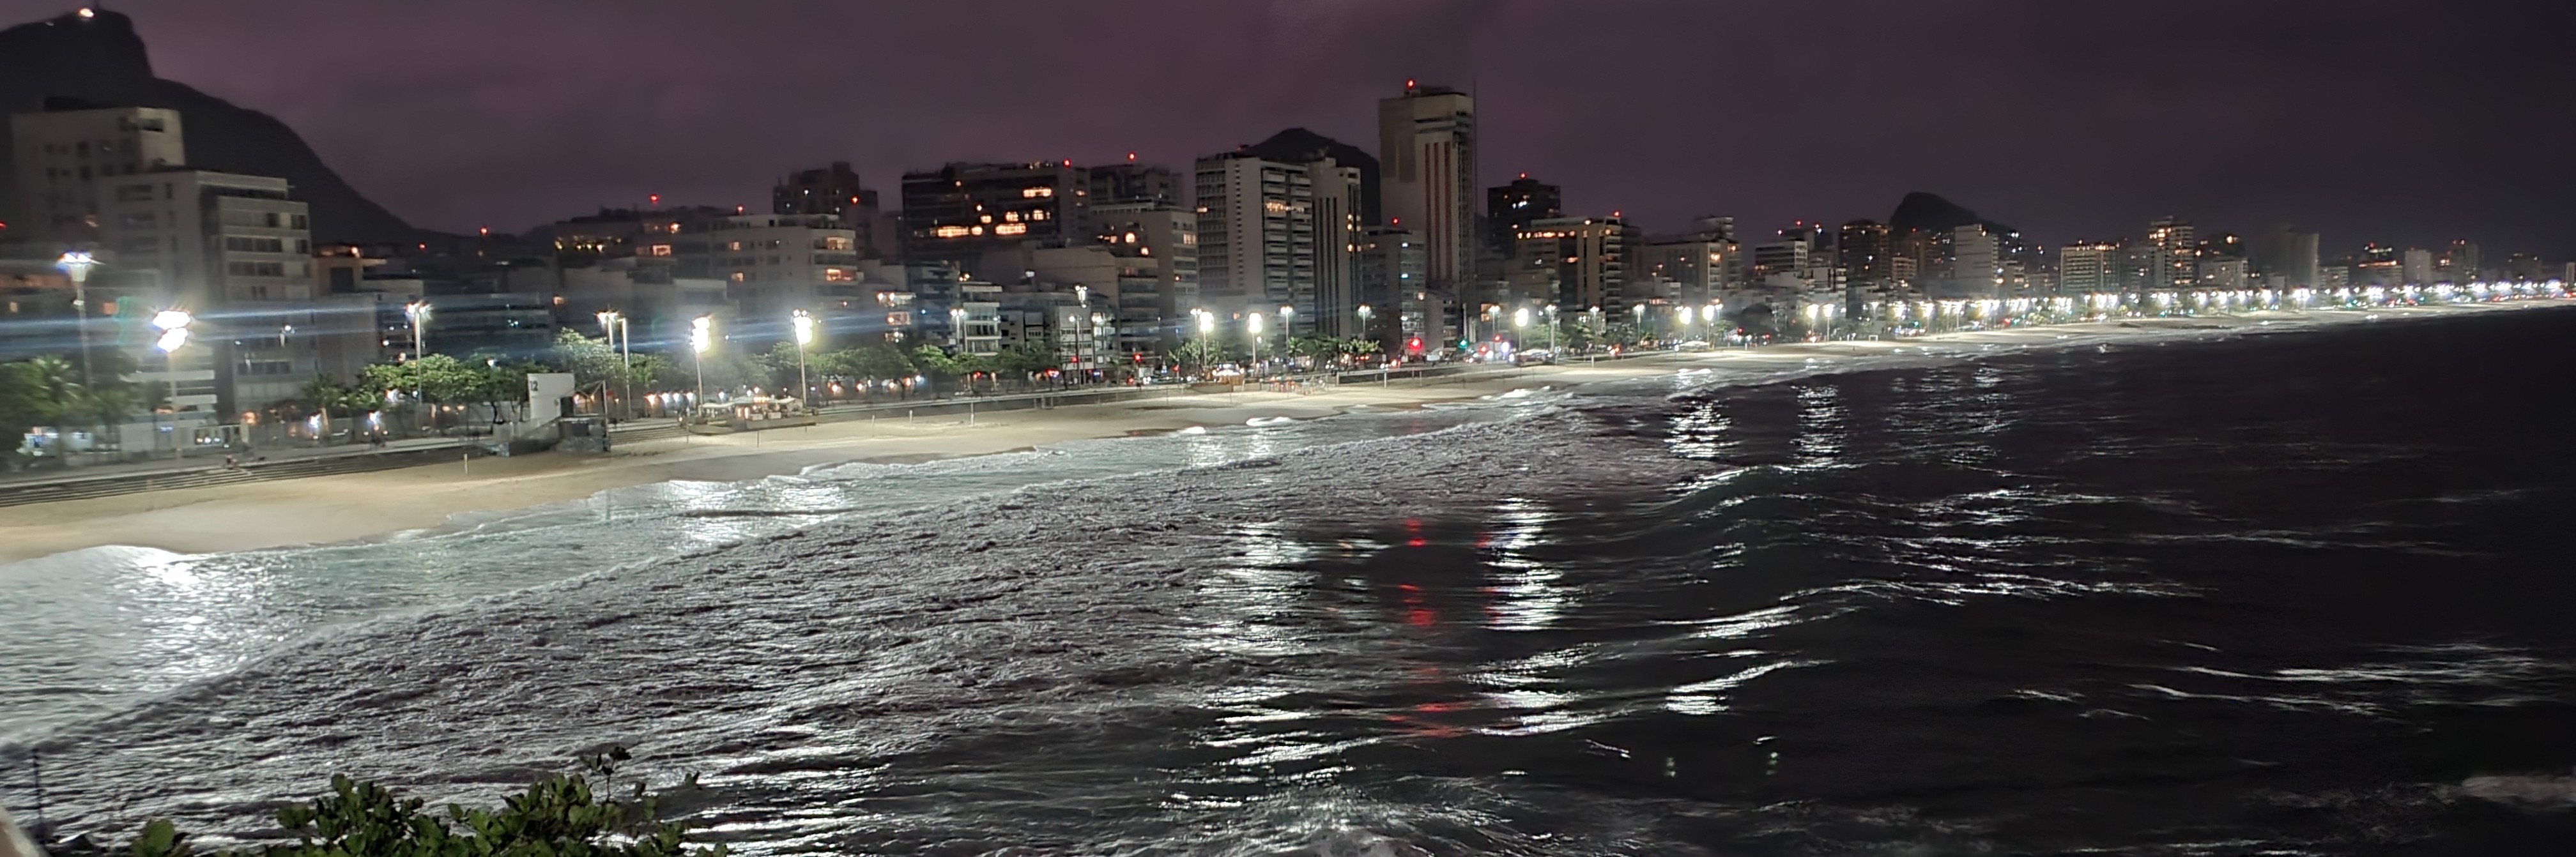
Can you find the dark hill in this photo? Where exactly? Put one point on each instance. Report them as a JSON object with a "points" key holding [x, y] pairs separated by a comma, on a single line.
{"points": [[100, 60]]}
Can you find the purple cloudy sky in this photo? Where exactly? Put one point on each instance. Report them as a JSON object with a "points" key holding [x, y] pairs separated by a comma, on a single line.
{"points": [[2403, 122]]}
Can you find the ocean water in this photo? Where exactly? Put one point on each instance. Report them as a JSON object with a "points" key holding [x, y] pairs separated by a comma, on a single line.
{"points": [[2238, 593]]}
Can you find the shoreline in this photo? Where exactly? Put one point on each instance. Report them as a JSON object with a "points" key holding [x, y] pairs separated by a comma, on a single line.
{"points": [[361, 506]]}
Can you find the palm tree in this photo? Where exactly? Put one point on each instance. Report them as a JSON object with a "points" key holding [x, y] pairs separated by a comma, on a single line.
{"points": [[59, 383]]}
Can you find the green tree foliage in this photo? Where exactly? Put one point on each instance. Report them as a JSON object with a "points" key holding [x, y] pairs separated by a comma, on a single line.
{"points": [[590, 361], [872, 363], [1197, 354], [1575, 336], [24, 401], [1018, 362], [560, 816], [1622, 333], [1318, 349], [937, 362]]}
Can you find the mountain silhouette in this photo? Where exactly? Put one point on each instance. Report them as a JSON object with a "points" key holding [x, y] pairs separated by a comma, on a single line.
{"points": [[99, 60]]}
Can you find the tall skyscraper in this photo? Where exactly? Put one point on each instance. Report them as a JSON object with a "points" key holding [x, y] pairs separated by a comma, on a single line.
{"points": [[1427, 152], [2173, 255]]}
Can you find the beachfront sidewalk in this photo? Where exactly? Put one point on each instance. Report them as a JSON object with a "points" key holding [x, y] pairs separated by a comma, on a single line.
{"points": [[213, 459]]}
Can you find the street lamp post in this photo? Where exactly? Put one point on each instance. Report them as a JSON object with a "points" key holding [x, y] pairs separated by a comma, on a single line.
{"points": [[1252, 324], [1097, 320], [613, 324], [417, 312], [77, 264], [173, 325], [1551, 331], [804, 324], [1286, 331], [701, 338], [1207, 328], [1520, 326]]}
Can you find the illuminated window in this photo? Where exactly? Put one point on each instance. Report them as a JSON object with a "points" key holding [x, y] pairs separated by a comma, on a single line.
{"points": [[896, 319], [949, 232], [974, 230], [986, 218], [737, 276], [1011, 216], [839, 275], [660, 250], [1036, 192], [1037, 215], [733, 245], [1011, 229]]}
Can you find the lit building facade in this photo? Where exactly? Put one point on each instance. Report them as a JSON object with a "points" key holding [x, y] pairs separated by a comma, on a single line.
{"points": [[65, 158], [1427, 159], [959, 212]]}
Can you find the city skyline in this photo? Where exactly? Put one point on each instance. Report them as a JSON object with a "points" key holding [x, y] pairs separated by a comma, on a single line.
{"points": [[2066, 141]]}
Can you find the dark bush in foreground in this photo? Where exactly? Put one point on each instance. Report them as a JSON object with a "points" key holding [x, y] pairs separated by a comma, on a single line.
{"points": [[560, 816]]}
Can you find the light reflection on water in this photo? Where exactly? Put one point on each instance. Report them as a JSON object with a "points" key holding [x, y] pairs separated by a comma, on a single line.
{"points": [[93, 629]]}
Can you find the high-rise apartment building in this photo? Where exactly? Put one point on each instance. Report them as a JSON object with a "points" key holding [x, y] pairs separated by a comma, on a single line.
{"points": [[837, 191], [66, 155], [1427, 159], [2086, 267], [772, 265], [1511, 208], [2173, 255], [236, 252], [1585, 259], [1786, 255], [1402, 311], [1257, 233], [1131, 182], [2460, 263], [1976, 263], [959, 212], [2284, 257], [2415, 266], [1862, 249], [1163, 240]]}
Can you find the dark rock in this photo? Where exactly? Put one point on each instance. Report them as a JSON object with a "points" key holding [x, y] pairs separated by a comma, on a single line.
{"points": [[101, 62]]}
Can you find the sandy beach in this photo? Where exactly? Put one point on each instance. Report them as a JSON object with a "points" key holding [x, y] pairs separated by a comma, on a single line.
{"points": [[330, 509]]}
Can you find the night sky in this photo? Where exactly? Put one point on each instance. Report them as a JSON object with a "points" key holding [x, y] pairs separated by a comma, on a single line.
{"points": [[2397, 122]]}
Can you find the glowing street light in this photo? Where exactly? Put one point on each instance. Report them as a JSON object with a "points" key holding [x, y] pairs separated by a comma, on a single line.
{"points": [[77, 265], [701, 338], [1252, 325], [173, 325], [417, 312], [613, 324], [1207, 328], [804, 323]]}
